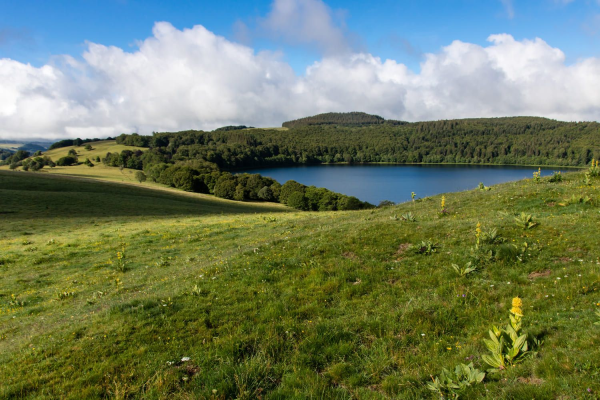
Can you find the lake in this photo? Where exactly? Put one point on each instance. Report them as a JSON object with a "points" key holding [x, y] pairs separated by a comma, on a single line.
{"points": [[374, 183]]}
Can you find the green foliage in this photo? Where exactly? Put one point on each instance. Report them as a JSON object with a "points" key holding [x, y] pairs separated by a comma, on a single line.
{"points": [[491, 236], [226, 187], [409, 216], [297, 200], [426, 247], [140, 176], [73, 142], [66, 161], [453, 383], [597, 315], [288, 188], [466, 270], [508, 346], [518, 140], [556, 177], [88, 162], [65, 294], [88, 147], [537, 176], [594, 170], [578, 199], [525, 221]]}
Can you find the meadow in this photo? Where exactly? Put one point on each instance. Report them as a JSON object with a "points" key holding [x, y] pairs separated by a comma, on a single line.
{"points": [[113, 290]]}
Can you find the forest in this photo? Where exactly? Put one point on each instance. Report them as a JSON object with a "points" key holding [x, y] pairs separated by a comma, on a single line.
{"points": [[508, 141]]}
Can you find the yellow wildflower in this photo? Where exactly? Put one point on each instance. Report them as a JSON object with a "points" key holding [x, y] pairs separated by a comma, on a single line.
{"points": [[516, 307], [517, 302]]}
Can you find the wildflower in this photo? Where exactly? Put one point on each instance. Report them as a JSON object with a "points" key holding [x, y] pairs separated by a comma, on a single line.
{"points": [[184, 359], [516, 307]]}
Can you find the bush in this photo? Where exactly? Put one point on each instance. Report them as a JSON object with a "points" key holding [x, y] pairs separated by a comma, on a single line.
{"points": [[226, 187], [349, 203], [288, 188], [140, 176], [66, 161], [266, 194], [297, 200]]}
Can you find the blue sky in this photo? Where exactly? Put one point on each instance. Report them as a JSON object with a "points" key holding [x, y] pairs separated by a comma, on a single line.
{"points": [[94, 68], [34, 31]]}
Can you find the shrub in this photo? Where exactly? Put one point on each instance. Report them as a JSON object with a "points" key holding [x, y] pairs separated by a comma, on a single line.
{"points": [[140, 176], [297, 200], [288, 188], [266, 194], [66, 161], [225, 187]]}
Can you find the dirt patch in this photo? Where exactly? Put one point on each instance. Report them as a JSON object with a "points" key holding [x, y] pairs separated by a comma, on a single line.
{"points": [[530, 381], [551, 204], [403, 247], [349, 255], [539, 274]]}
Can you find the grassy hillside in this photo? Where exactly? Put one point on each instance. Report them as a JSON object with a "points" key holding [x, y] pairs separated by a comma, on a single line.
{"points": [[99, 170], [110, 292]]}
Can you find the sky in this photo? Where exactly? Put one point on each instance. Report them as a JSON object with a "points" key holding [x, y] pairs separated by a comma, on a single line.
{"points": [[98, 68]]}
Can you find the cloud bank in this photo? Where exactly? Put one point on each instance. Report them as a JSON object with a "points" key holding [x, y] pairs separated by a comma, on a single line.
{"points": [[194, 79]]}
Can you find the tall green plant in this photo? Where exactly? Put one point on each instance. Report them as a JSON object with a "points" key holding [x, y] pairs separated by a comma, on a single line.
{"points": [[508, 346]]}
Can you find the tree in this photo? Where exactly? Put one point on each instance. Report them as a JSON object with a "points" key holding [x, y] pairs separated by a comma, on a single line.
{"points": [[288, 188], [88, 147], [266, 194], [66, 161], [140, 176], [297, 200], [225, 188]]}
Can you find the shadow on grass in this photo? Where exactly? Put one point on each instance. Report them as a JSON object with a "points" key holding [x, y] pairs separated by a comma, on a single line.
{"points": [[32, 195]]}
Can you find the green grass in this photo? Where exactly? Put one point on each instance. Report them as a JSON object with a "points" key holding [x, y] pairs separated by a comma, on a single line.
{"points": [[99, 170], [286, 304]]}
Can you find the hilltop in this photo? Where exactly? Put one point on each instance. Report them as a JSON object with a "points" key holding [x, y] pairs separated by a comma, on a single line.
{"points": [[115, 291]]}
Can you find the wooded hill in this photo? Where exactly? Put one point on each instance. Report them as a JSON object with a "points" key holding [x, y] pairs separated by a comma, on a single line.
{"points": [[348, 119], [513, 140]]}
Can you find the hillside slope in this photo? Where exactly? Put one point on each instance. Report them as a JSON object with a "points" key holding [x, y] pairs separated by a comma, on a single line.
{"points": [[293, 305]]}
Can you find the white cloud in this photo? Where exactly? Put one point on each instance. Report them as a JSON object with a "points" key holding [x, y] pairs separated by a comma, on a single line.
{"points": [[306, 22], [193, 79]]}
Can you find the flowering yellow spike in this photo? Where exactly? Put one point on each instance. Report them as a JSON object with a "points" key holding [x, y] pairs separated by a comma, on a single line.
{"points": [[516, 307], [517, 302]]}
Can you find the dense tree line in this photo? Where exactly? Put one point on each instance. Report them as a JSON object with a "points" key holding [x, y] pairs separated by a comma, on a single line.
{"points": [[517, 140], [73, 142], [204, 177], [15, 158]]}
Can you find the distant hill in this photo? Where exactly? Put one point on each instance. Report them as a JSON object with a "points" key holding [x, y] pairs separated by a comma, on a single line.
{"points": [[350, 118], [232, 128], [32, 147]]}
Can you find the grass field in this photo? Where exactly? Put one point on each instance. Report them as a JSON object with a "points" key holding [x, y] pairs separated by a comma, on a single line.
{"points": [[99, 170], [10, 146], [119, 291]]}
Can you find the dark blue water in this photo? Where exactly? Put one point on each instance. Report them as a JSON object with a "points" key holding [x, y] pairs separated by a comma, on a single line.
{"points": [[374, 183]]}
